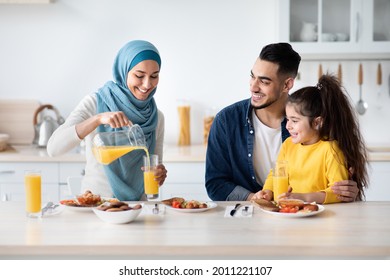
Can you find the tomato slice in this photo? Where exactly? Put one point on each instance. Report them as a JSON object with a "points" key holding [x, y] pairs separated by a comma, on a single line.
{"points": [[176, 204], [289, 209]]}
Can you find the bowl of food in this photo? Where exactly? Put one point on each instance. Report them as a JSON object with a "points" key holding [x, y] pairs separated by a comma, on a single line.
{"points": [[118, 212]]}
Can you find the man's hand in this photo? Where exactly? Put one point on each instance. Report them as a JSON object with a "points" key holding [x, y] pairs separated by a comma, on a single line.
{"points": [[346, 190]]}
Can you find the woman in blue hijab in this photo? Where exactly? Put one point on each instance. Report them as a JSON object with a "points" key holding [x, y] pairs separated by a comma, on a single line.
{"points": [[127, 99]]}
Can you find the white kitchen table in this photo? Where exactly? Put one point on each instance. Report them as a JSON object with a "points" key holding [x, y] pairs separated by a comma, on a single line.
{"points": [[359, 230]]}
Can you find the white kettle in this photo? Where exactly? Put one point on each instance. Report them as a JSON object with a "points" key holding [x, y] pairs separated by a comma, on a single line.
{"points": [[47, 125]]}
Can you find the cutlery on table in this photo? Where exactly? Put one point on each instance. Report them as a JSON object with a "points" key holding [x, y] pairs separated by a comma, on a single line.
{"points": [[50, 206], [235, 209]]}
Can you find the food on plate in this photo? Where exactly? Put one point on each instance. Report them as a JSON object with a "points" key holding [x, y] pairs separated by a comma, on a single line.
{"points": [[171, 200], [308, 207], [117, 206], [266, 205], [291, 202], [87, 199], [287, 206], [179, 202]]}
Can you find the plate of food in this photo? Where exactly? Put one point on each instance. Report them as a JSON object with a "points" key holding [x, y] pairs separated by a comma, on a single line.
{"points": [[289, 208], [180, 204], [84, 202]]}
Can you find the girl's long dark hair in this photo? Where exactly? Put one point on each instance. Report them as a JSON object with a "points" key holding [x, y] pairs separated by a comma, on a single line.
{"points": [[339, 122]]}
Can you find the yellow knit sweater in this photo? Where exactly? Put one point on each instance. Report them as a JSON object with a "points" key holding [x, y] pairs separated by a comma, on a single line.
{"points": [[313, 168]]}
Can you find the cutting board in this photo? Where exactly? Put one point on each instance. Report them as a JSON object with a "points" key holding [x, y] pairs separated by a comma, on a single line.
{"points": [[16, 119]]}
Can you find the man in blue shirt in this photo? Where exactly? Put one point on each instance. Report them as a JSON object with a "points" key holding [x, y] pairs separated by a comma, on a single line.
{"points": [[245, 137]]}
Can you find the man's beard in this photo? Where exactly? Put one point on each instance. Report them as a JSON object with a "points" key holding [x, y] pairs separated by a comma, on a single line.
{"points": [[263, 105]]}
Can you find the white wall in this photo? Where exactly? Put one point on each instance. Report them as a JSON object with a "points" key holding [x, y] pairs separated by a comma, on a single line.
{"points": [[58, 53]]}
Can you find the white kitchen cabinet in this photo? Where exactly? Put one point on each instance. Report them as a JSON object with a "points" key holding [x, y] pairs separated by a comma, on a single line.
{"points": [[185, 179], [343, 28], [12, 180], [379, 181]]}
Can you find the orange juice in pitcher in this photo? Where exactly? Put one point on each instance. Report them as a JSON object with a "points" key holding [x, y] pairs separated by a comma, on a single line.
{"points": [[109, 146]]}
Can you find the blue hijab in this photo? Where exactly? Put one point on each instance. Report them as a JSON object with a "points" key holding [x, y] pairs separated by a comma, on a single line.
{"points": [[124, 174]]}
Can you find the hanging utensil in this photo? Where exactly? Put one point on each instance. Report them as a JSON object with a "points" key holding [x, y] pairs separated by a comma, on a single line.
{"points": [[339, 73], [379, 83], [320, 73], [361, 106]]}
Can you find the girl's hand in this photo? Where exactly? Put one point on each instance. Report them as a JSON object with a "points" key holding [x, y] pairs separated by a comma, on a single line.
{"points": [[287, 195], [160, 174], [114, 119], [263, 194]]}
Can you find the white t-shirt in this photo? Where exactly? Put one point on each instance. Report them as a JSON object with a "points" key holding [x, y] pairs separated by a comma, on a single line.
{"points": [[266, 148]]}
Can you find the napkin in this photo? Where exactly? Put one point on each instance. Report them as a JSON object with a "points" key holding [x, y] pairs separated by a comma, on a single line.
{"points": [[239, 212], [148, 209]]}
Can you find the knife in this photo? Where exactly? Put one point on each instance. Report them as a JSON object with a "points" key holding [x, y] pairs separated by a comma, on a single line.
{"points": [[235, 209]]}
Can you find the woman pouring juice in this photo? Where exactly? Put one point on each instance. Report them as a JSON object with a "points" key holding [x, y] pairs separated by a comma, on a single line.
{"points": [[120, 103]]}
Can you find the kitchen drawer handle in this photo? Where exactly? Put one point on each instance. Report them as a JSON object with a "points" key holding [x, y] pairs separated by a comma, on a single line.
{"points": [[7, 172]]}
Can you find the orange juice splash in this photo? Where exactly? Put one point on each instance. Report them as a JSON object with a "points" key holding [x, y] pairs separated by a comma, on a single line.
{"points": [[32, 184], [107, 154]]}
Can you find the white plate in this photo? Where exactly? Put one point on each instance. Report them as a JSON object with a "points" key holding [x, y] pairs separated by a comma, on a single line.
{"points": [[210, 205], [79, 208], [295, 215], [83, 208]]}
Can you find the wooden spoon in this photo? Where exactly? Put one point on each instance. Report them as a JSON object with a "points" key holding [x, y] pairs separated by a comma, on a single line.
{"points": [[320, 73], [379, 75], [379, 83], [339, 73]]}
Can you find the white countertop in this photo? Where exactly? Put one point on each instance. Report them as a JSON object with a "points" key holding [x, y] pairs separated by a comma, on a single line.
{"points": [[172, 153], [359, 230], [29, 153]]}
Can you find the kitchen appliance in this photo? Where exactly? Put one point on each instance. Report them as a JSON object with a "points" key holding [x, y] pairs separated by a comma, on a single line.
{"points": [[47, 125]]}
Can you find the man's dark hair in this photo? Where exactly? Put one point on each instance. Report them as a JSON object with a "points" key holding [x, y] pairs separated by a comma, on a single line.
{"points": [[283, 55]]}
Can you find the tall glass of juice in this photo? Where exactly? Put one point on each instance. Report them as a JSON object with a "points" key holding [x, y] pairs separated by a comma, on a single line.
{"points": [[150, 182], [32, 184], [280, 178]]}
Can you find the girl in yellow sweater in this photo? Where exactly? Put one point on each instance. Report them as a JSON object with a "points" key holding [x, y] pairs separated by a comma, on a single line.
{"points": [[324, 144]]}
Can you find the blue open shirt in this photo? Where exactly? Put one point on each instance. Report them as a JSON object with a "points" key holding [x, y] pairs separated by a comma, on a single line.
{"points": [[229, 165]]}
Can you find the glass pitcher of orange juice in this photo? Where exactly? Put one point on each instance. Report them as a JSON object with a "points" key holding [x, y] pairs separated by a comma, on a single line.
{"points": [[109, 146]]}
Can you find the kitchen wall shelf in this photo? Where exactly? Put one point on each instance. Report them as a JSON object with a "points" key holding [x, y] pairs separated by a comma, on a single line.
{"points": [[336, 29]]}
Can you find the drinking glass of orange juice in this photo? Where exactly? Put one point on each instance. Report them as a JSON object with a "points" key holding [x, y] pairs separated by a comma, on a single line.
{"points": [[32, 184], [280, 178], [150, 183]]}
